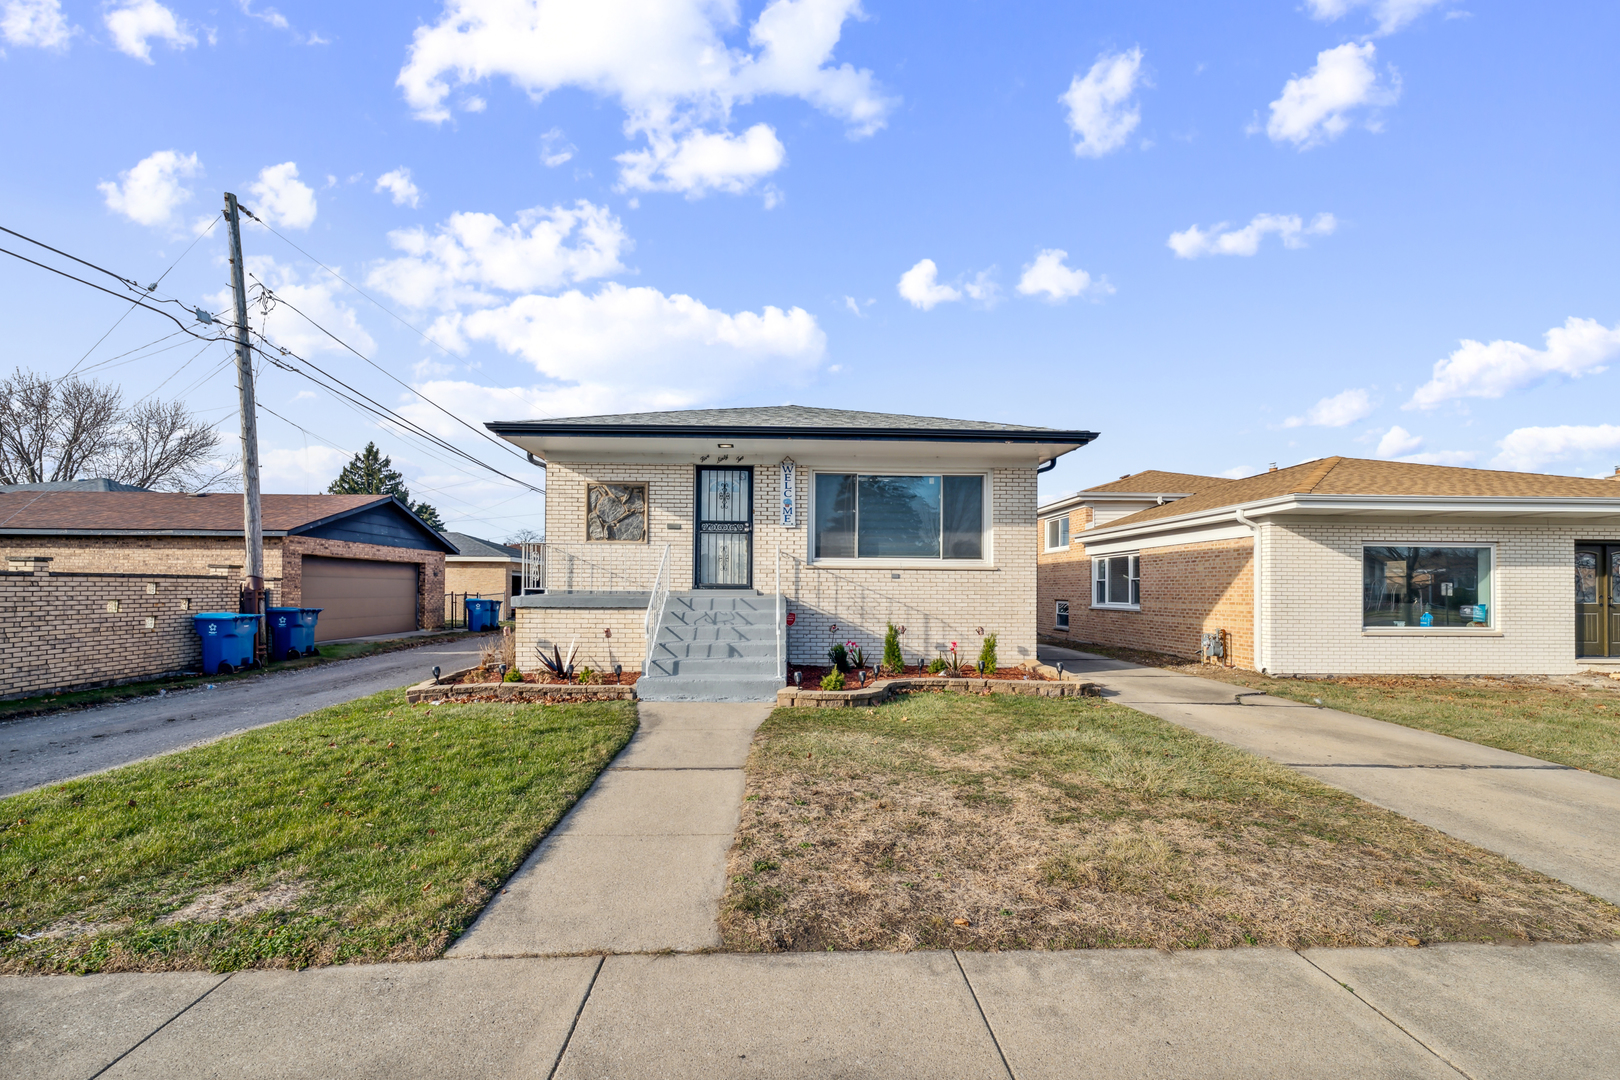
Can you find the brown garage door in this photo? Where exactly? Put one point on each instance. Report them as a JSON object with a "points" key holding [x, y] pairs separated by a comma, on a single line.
{"points": [[360, 597]]}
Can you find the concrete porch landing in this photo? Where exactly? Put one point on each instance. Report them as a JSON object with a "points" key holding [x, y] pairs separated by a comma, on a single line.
{"points": [[639, 864]]}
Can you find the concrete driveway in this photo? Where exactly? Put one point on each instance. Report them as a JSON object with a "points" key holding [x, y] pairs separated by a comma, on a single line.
{"points": [[48, 749], [1556, 819]]}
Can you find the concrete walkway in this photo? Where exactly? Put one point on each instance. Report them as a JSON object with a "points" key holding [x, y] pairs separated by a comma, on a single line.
{"points": [[58, 746], [640, 863], [1556, 819], [1496, 1012]]}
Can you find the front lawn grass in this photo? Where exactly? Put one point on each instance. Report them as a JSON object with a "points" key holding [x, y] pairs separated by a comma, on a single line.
{"points": [[1009, 822], [369, 831], [1568, 720]]}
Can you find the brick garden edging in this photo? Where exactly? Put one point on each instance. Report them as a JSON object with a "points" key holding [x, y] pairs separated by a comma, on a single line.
{"points": [[431, 692], [1068, 686]]}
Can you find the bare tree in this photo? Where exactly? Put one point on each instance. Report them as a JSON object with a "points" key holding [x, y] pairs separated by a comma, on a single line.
{"points": [[523, 536], [72, 429]]}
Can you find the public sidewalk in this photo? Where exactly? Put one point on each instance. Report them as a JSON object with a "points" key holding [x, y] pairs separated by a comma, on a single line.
{"points": [[1499, 1012], [639, 864], [1557, 819]]}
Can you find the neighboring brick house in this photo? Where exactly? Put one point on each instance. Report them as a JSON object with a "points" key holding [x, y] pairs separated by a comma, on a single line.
{"points": [[484, 569], [1364, 567], [371, 564], [859, 519]]}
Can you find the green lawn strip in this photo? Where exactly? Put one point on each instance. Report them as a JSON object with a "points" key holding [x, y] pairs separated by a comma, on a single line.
{"points": [[1000, 822], [369, 831], [43, 704], [1559, 722]]}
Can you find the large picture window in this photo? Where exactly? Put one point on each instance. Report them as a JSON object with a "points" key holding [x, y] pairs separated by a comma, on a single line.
{"points": [[1426, 587], [898, 517], [1116, 581]]}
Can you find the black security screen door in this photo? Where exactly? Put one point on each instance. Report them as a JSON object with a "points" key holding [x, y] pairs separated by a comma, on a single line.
{"points": [[1597, 600], [725, 528]]}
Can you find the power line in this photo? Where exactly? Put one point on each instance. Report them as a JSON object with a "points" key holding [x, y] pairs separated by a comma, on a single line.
{"points": [[109, 292]]}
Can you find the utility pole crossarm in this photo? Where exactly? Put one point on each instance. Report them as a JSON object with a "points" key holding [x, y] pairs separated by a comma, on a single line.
{"points": [[253, 526]]}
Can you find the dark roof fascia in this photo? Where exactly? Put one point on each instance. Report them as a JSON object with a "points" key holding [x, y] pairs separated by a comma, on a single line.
{"points": [[449, 548], [1037, 436], [225, 533]]}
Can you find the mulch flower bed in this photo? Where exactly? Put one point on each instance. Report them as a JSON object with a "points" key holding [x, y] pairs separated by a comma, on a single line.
{"points": [[545, 678], [813, 675]]}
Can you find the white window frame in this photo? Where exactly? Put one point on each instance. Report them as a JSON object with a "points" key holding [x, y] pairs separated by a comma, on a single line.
{"points": [[1062, 523], [987, 515], [1060, 615], [1133, 577], [1492, 606]]}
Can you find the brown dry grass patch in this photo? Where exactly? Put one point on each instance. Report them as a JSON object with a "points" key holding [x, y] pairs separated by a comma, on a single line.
{"points": [[947, 821]]}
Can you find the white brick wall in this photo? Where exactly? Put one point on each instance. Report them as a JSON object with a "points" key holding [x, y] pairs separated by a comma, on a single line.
{"points": [[598, 649], [1311, 594], [935, 606]]}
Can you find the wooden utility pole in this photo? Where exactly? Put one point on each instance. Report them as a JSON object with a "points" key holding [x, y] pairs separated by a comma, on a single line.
{"points": [[252, 523]]}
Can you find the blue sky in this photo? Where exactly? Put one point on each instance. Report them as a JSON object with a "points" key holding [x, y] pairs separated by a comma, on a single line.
{"points": [[1222, 236]]}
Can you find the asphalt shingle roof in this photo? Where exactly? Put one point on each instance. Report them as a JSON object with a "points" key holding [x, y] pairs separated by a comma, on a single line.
{"points": [[154, 511], [1159, 482], [784, 418], [473, 547]]}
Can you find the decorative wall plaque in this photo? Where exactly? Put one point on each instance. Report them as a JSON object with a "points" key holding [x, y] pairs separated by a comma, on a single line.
{"points": [[616, 512]]}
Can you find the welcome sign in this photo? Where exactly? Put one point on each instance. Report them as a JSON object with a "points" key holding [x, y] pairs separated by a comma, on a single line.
{"points": [[790, 501]]}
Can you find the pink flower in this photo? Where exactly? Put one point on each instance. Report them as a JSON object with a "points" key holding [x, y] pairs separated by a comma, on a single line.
{"points": [[849, 644], [953, 646]]}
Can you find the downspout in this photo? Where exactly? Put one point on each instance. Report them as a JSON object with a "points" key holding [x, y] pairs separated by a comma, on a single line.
{"points": [[1253, 526]]}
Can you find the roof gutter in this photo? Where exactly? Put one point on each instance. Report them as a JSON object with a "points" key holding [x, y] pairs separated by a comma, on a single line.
{"points": [[708, 431]]}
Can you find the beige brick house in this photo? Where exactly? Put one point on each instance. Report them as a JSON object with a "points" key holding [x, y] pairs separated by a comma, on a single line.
{"points": [[1363, 567], [712, 523], [484, 569]]}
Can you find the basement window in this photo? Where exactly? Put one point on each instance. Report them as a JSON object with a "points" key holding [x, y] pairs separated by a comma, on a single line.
{"points": [[1061, 620], [1116, 582]]}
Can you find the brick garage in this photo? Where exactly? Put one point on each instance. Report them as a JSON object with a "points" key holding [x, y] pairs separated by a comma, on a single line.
{"points": [[101, 538]]}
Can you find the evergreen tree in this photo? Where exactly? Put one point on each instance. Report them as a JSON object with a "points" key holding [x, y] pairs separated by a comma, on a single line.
{"points": [[369, 473]]}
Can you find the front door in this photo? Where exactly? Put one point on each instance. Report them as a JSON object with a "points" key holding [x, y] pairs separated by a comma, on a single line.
{"points": [[1597, 600], [725, 528]]}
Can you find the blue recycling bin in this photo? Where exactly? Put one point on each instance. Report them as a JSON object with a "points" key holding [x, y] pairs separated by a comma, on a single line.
{"points": [[482, 614], [292, 631], [227, 640]]}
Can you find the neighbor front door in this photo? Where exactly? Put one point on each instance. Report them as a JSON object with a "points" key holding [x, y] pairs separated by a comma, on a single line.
{"points": [[1597, 600], [725, 528]]}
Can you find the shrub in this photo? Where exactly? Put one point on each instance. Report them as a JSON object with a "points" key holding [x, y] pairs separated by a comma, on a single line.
{"points": [[893, 658], [512, 675], [936, 665], [839, 658], [833, 680], [857, 658], [586, 676], [987, 655]]}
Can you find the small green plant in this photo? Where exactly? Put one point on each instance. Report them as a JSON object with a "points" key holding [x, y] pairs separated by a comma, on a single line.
{"points": [[987, 655], [951, 664], [838, 656], [512, 675], [936, 665], [893, 659], [833, 680], [586, 676], [857, 658]]}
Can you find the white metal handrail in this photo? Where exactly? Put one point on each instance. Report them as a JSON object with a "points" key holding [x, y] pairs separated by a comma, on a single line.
{"points": [[601, 567], [655, 609], [781, 623]]}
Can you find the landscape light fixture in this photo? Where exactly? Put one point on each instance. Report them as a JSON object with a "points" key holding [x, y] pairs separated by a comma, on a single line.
{"points": [[435, 675], [503, 672], [618, 673], [798, 678]]}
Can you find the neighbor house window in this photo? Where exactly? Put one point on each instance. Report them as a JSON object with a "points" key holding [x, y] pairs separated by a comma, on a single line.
{"points": [[898, 517], [1057, 533], [1061, 620], [1116, 581], [1426, 586]]}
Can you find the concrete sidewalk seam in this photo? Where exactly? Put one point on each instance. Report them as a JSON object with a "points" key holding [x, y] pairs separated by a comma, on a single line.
{"points": [[1384, 765], [160, 1027], [673, 768], [1387, 1018], [563, 1049], [974, 994]]}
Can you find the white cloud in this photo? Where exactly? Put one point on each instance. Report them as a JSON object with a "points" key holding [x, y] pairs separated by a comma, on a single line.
{"points": [[1398, 441], [1443, 457], [398, 184], [1530, 449], [667, 64], [1237, 472], [626, 348], [297, 470], [316, 297], [151, 192], [554, 149], [1219, 240], [135, 23], [470, 257], [1339, 410], [702, 161], [282, 198], [1316, 108], [37, 24], [267, 15], [1101, 112], [1049, 277], [1392, 15], [1579, 347], [921, 286]]}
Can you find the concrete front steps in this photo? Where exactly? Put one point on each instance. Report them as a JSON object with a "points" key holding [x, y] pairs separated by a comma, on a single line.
{"points": [[714, 646]]}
